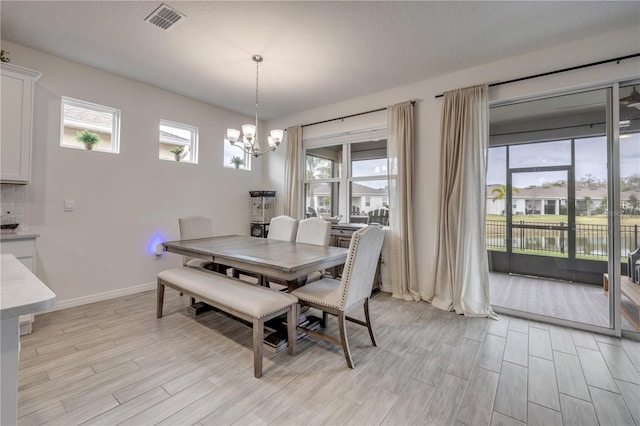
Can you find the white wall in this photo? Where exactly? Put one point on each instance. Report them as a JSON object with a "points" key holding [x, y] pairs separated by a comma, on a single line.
{"points": [[123, 203], [428, 110]]}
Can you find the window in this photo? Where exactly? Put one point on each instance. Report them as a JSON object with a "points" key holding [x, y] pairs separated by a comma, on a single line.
{"points": [[103, 121], [178, 142], [355, 192], [235, 157]]}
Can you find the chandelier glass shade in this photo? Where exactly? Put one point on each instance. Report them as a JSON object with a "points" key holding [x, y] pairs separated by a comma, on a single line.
{"points": [[249, 134]]}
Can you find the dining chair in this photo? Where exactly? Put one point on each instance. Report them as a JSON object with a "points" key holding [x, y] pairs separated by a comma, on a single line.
{"points": [[283, 228], [314, 230], [192, 227], [280, 228], [354, 289]]}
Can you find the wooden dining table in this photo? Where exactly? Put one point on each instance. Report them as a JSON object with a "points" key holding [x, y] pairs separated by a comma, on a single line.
{"points": [[283, 261]]}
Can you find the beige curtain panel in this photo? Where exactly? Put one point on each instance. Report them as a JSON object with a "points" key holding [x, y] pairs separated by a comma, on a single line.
{"points": [[292, 173], [462, 272], [400, 166]]}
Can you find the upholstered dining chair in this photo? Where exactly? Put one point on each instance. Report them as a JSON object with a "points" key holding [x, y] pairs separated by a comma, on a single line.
{"points": [[314, 230], [353, 290], [280, 228], [192, 227], [283, 228]]}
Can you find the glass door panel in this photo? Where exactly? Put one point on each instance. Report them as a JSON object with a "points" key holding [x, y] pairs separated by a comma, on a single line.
{"points": [[550, 158], [629, 208]]}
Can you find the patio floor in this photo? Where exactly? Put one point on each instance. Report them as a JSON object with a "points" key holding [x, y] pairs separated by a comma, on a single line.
{"points": [[582, 303]]}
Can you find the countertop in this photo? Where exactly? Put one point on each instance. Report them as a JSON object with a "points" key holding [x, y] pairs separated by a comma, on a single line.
{"points": [[18, 235], [21, 292]]}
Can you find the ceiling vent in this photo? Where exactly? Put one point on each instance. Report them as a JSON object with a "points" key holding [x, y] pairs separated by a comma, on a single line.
{"points": [[165, 17]]}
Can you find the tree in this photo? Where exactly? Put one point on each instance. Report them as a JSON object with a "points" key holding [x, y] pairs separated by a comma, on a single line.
{"points": [[501, 192], [602, 208], [589, 181], [633, 203], [318, 168]]}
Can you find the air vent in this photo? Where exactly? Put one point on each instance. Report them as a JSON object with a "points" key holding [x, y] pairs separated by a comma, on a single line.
{"points": [[165, 17]]}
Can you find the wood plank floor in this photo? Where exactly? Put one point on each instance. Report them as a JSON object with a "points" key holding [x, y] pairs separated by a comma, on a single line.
{"points": [[113, 363]]}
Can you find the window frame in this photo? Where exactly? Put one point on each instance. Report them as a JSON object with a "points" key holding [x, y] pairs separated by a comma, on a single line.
{"points": [[345, 179], [193, 140], [239, 145], [79, 103]]}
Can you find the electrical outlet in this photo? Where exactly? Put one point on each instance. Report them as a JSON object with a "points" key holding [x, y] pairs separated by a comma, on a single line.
{"points": [[68, 205]]}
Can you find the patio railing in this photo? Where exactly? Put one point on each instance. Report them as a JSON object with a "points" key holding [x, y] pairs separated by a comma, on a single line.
{"points": [[591, 240]]}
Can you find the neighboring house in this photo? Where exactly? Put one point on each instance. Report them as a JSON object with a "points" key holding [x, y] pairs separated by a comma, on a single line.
{"points": [[363, 198], [552, 200]]}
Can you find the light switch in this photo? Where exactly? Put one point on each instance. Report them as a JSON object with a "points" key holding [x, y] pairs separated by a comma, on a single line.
{"points": [[68, 205]]}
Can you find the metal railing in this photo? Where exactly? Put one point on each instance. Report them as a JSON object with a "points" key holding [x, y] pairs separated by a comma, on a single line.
{"points": [[591, 240]]}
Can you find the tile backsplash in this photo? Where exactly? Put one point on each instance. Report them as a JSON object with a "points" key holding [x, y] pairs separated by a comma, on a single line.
{"points": [[14, 200]]}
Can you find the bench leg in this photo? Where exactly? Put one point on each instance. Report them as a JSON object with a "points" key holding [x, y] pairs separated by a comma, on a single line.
{"points": [[292, 325], [258, 337], [160, 299]]}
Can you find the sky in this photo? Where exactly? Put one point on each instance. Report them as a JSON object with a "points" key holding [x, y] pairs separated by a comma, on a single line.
{"points": [[591, 158]]}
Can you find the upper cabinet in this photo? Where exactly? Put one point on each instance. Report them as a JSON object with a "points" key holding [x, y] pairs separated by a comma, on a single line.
{"points": [[16, 123]]}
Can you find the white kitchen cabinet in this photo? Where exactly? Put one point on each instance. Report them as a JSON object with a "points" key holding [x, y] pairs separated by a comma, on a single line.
{"points": [[23, 247], [17, 123]]}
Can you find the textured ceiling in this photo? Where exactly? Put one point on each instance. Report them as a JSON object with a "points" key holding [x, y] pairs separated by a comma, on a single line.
{"points": [[315, 53]]}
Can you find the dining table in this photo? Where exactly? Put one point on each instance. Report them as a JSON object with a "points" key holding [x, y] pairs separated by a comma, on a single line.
{"points": [[283, 261]]}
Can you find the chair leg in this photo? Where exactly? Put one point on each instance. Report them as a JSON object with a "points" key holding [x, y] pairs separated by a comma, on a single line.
{"points": [[292, 325], [258, 337], [323, 321], [368, 320], [160, 299], [343, 339]]}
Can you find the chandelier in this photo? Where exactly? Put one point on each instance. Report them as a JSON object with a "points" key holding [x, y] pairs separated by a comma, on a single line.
{"points": [[250, 143]]}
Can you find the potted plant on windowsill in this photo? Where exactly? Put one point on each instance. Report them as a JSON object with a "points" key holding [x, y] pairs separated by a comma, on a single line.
{"points": [[237, 161], [177, 152], [88, 138]]}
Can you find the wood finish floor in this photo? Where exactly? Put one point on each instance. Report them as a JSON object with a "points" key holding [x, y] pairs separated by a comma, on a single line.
{"points": [[113, 363]]}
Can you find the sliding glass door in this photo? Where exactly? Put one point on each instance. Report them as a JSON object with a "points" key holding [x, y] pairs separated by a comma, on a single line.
{"points": [[547, 186]]}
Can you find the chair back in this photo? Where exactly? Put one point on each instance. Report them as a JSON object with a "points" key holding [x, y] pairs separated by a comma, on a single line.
{"points": [[311, 212], [193, 227], [314, 230], [283, 228], [379, 216], [360, 267]]}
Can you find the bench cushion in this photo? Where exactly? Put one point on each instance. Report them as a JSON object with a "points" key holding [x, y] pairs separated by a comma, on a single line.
{"points": [[248, 299]]}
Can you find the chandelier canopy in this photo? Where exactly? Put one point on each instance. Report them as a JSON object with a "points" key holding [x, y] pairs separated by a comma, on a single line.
{"points": [[250, 143]]}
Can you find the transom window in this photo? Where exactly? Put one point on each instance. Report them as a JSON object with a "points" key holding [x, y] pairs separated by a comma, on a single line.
{"points": [[101, 122], [178, 142], [235, 157]]}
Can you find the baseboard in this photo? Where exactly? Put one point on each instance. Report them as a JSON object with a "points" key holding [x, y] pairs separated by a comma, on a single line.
{"points": [[79, 301]]}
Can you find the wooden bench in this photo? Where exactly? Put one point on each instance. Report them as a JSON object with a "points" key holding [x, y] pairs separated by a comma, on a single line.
{"points": [[251, 303]]}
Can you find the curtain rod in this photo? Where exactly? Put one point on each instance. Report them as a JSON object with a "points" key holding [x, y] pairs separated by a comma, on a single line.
{"points": [[544, 74], [413, 103]]}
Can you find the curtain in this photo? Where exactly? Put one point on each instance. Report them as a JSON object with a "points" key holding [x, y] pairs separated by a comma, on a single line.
{"points": [[292, 175], [401, 233], [462, 272]]}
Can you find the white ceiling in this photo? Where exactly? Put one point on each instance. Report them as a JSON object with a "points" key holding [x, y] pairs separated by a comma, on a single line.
{"points": [[315, 53]]}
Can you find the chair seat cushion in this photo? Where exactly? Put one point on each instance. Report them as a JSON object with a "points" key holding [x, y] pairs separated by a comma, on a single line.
{"points": [[325, 292]]}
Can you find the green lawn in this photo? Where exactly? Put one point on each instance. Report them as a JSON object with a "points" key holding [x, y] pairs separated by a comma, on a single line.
{"points": [[580, 220]]}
